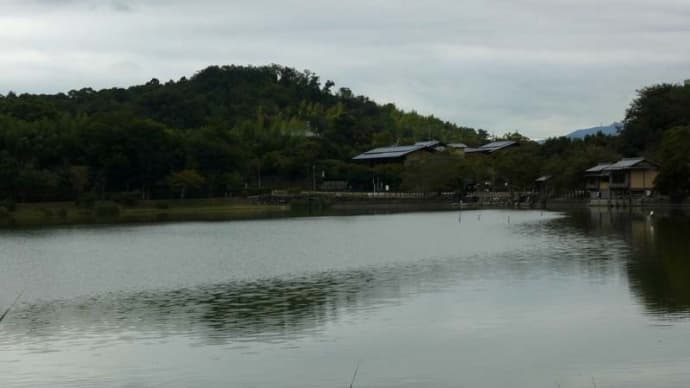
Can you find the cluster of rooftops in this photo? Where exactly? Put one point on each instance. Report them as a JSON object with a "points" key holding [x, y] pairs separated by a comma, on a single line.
{"points": [[624, 177], [628, 173], [395, 152]]}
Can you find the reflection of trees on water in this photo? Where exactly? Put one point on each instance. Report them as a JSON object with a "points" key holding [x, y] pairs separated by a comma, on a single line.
{"points": [[658, 268], [278, 306], [262, 310], [271, 307]]}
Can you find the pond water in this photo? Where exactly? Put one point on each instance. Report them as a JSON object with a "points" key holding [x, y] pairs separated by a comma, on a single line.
{"points": [[484, 298]]}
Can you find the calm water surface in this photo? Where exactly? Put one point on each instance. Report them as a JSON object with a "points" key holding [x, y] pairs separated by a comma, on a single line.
{"points": [[472, 299]]}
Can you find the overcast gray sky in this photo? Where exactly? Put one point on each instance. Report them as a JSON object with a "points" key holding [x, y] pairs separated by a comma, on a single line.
{"points": [[543, 67]]}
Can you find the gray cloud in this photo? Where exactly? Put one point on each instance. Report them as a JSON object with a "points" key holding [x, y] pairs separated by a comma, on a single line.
{"points": [[539, 66]]}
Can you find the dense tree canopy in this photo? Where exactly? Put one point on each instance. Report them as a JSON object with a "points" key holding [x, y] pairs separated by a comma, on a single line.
{"points": [[243, 128], [656, 125], [657, 109], [675, 153], [233, 126]]}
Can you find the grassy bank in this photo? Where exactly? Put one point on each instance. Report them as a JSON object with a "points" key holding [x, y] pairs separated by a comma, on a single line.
{"points": [[68, 213], [216, 209]]}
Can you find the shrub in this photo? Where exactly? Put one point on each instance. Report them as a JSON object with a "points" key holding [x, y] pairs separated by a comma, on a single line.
{"points": [[62, 212], [309, 206], [9, 205], [162, 205], [45, 212], [106, 209], [4, 213], [86, 200], [126, 199]]}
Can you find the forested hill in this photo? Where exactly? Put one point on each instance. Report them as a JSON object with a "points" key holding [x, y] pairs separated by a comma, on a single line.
{"points": [[223, 126], [246, 129]]}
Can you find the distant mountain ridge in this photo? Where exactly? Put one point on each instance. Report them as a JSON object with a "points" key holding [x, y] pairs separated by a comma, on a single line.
{"points": [[611, 129]]}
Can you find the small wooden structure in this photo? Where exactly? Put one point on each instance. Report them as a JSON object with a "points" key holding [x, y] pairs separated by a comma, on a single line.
{"points": [[633, 175], [625, 178], [597, 180], [541, 184]]}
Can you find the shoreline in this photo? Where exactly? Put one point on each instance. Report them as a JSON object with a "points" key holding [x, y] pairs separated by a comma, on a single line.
{"points": [[50, 214]]}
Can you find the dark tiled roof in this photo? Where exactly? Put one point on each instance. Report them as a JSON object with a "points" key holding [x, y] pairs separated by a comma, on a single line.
{"points": [[625, 163], [396, 151], [492, 147], [430, 143], [598, 168], [498, 144]]}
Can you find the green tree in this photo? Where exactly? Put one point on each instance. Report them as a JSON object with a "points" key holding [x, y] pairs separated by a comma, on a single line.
{"points": [[185, 180], [232, 181], [674, 177], [438, 173], [656, 109], [518, 166], [78, 179], [34, 184]]}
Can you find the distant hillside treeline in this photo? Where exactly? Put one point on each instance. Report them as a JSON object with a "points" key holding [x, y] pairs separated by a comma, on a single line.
{"points": [[240, 129], [215, 132]]}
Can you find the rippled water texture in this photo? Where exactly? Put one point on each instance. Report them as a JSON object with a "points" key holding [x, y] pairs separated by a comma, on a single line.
{"points": [[474, 299]]}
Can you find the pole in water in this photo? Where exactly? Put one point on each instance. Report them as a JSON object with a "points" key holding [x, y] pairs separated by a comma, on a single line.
{"points": [[12, 305], [355, 374], [509, 219]]}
